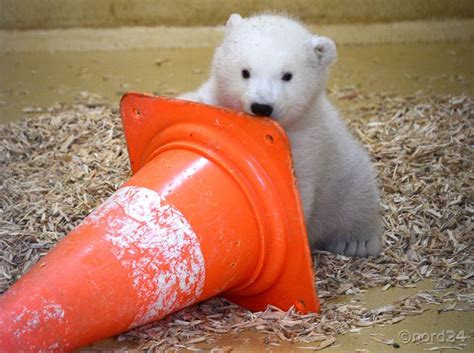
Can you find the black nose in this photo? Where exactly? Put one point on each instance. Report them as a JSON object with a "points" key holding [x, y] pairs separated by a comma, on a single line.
{"points": [[261, 109]]}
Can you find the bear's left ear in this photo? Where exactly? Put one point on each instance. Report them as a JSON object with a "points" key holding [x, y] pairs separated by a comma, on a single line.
{"points": [[232, 22], [325, 50]]}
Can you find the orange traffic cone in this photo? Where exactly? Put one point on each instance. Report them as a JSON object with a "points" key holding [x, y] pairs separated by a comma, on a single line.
{"points": [[212, 209]]}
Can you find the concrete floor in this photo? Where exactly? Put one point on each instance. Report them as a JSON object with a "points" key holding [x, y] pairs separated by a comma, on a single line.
{"points": [[31, 81], [41, 79]]}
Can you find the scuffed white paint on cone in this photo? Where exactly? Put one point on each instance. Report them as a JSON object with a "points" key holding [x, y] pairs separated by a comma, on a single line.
{"points": [[155, 242], [32, 320], [42, 316]]}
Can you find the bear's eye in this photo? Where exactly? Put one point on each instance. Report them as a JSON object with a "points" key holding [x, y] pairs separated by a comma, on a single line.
{"points": [[245, 73], [287, 76]]}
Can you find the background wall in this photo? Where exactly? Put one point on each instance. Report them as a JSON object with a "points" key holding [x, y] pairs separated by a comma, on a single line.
{"points": [[43, 14]]}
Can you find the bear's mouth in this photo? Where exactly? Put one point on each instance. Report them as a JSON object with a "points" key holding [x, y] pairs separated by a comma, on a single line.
{"points": [[261, 116]]}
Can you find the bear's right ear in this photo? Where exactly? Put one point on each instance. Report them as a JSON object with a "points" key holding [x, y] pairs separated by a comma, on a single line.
{"points": [[325, 50], [232, 22]]}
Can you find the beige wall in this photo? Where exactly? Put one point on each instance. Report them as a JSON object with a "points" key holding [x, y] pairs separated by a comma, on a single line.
{"points": [[32, 14]]}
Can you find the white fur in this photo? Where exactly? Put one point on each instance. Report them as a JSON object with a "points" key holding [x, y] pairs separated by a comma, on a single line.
{"points": [[335, 177]]}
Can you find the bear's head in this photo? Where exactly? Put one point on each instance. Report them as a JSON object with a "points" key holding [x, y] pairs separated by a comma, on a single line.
{"points": [[271, 65]]}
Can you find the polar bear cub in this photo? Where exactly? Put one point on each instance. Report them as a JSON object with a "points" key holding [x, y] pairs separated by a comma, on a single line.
{"points": [[270, 65]]}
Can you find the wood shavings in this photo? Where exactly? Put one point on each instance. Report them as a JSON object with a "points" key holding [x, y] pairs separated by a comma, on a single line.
{"points": [[58, 166]]}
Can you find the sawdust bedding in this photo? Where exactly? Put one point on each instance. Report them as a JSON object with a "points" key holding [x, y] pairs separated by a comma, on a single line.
{"points": [[57, 166]]}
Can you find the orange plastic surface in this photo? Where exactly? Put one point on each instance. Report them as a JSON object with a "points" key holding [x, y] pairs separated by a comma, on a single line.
{"points": [[212, 209]]}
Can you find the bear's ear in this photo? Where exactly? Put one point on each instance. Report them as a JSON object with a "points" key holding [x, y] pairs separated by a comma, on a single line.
{"points": [[232, 22], [325, 50]]}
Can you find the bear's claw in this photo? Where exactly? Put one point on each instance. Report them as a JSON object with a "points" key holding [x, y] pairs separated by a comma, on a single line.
{"points": [[355, 247]]}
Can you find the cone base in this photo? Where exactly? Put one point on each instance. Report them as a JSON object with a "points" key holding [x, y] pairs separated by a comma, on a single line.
{"points": [[257, 149]]}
